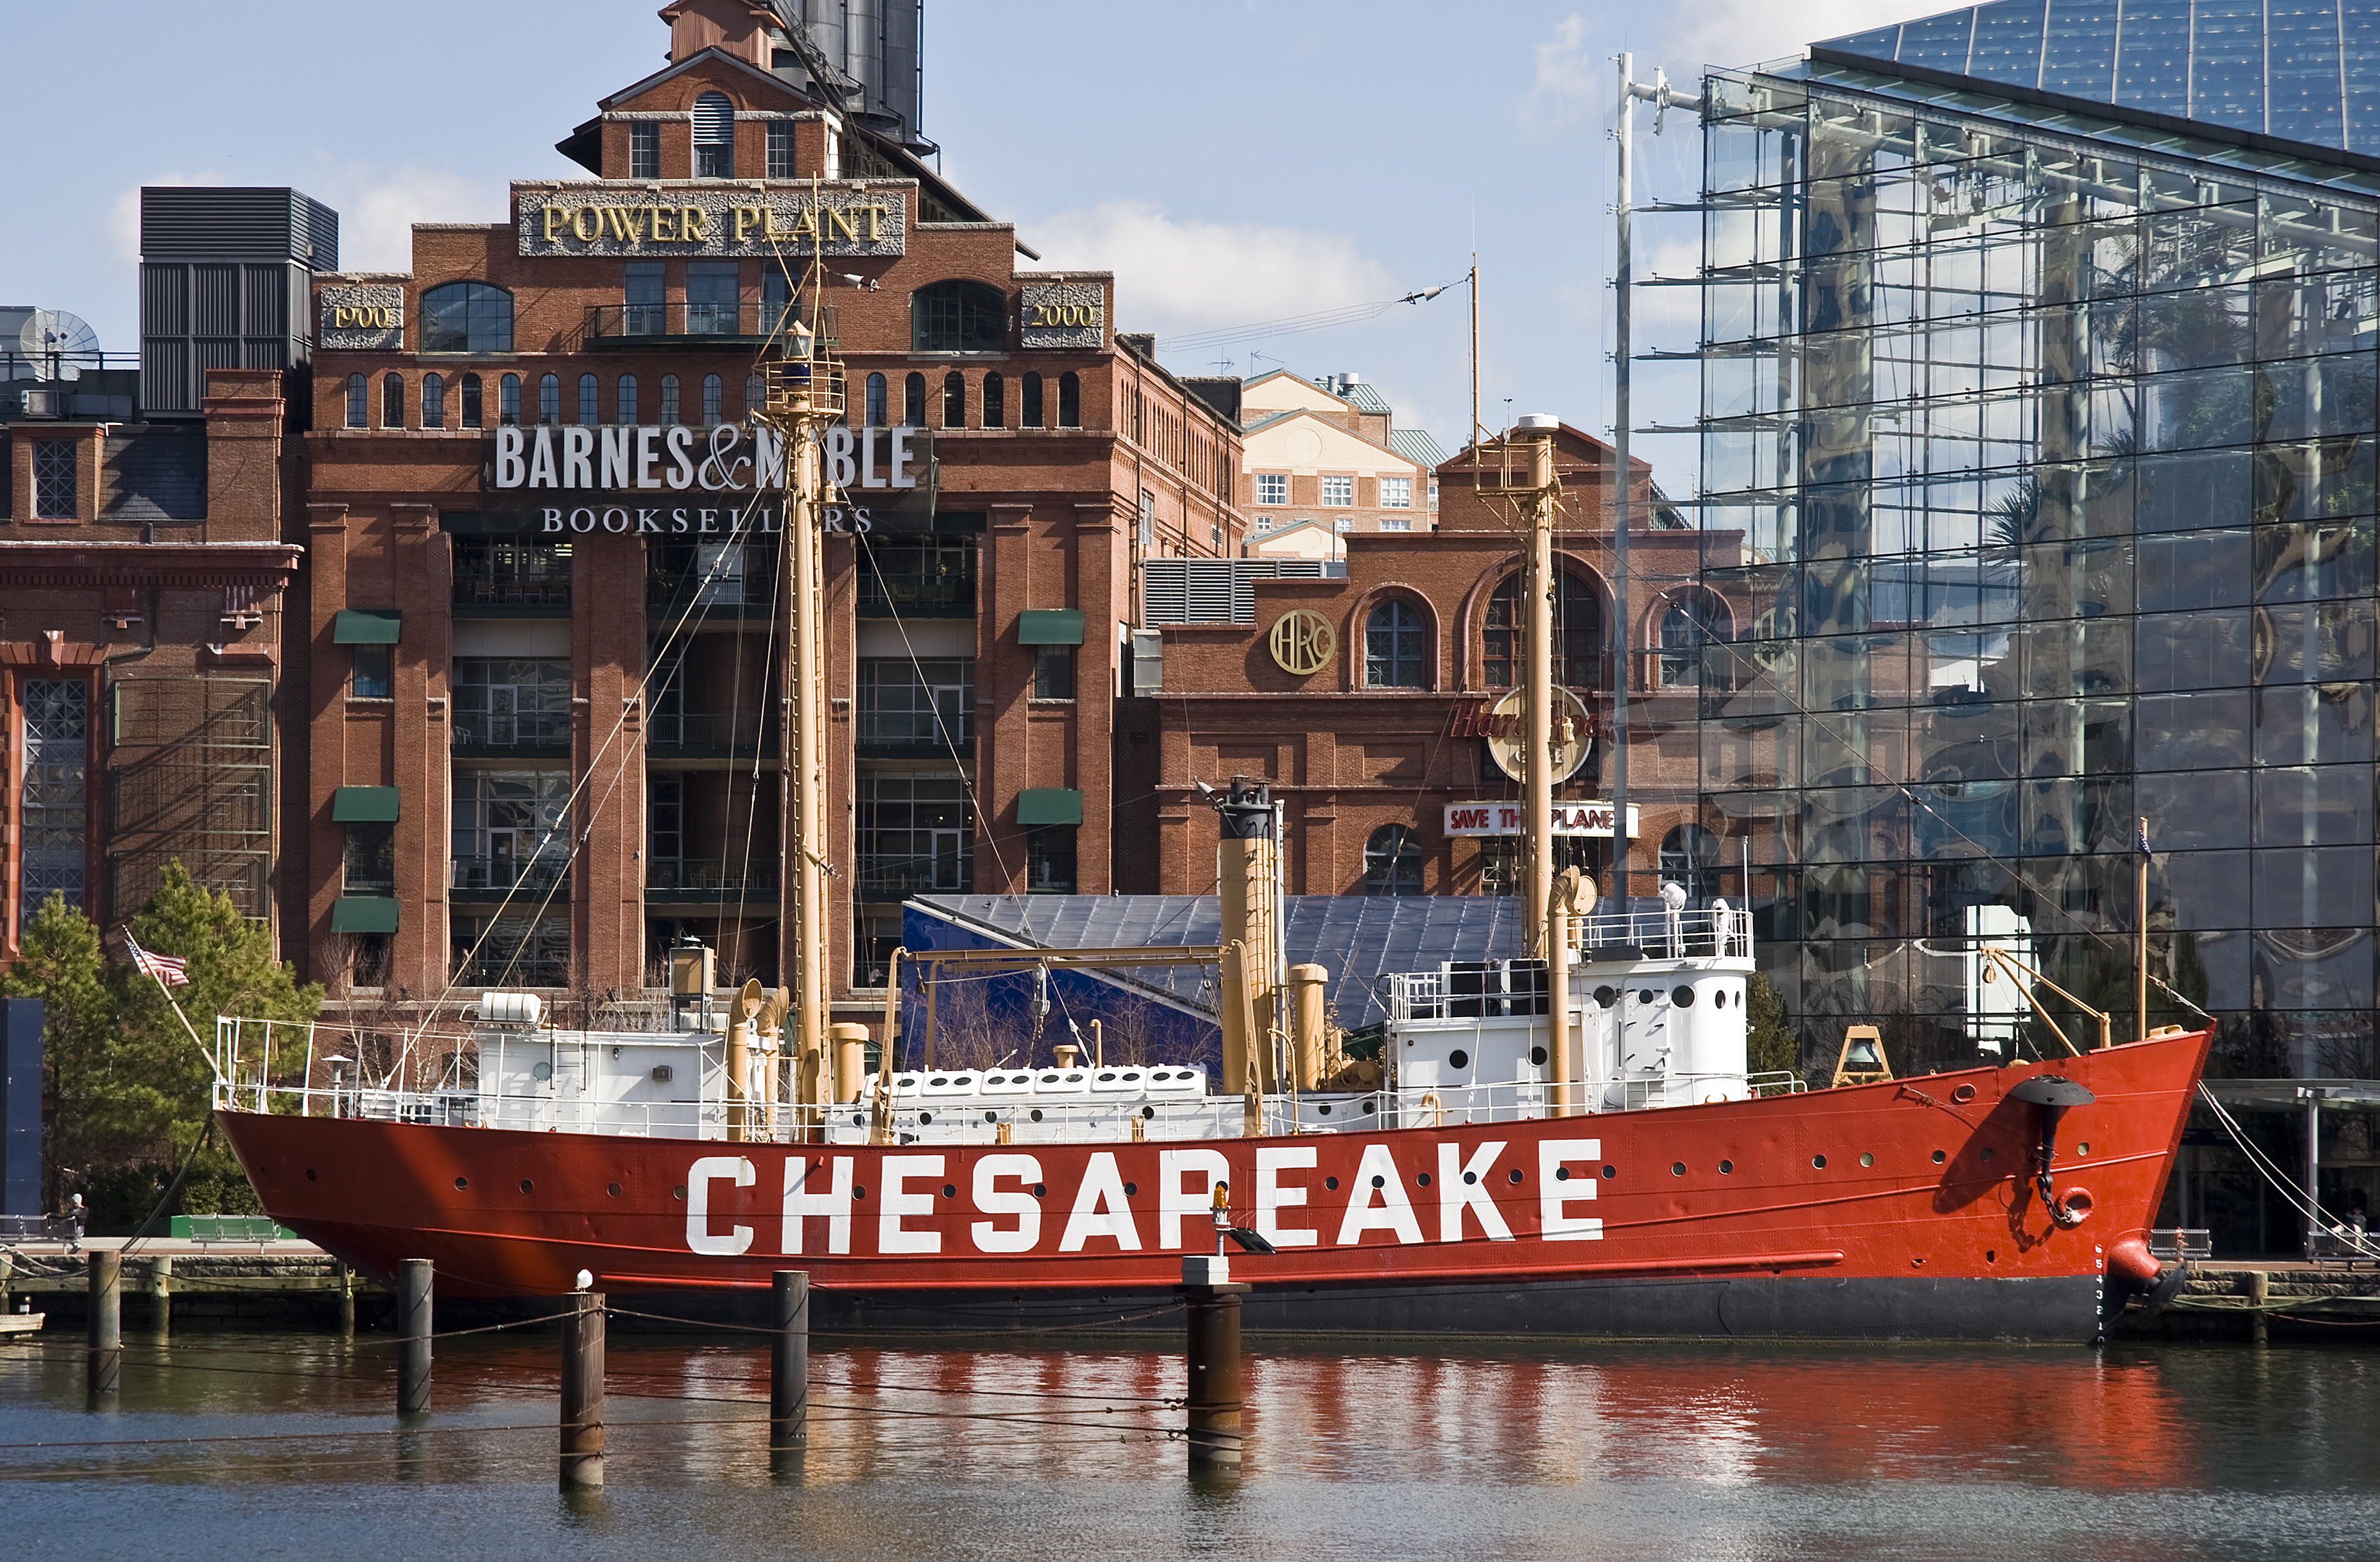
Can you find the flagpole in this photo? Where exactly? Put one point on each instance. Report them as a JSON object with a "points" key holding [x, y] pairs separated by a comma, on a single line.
{"points": [[148, 967]]}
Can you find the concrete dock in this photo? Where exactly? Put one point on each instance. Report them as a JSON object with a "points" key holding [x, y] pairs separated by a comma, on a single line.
{"points": [[206, 1284]]}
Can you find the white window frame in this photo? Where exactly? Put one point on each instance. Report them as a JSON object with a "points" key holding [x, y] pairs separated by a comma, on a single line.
{"points": [[1346, 499], [1396, 492], [1272, 488]]}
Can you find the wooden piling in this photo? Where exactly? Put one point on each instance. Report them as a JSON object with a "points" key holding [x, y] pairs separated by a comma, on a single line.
{"points": [[346, 1283], [413, 1314], [582, 1392], [161, 1290], [106, 1351], [1214, 1360], [789, 1360], [2259, 1294]]}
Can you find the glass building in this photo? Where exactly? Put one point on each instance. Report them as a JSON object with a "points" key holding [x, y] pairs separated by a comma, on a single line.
{"points": [[2046, 421]]}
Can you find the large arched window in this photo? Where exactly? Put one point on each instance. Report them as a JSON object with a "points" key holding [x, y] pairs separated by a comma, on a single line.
{"points": [[713, 392], [995, 401], [913, 401], [359, 402], [1393, 861], [623, 404], [549, 398], [954, 400], [1396, 646], [1070, 400], [1578, 635], [958, 317], [392, 402], [467, 317], [1693, 619], [471, 409], [433, 401], [669, 399], [714, 137], [589, 414], [874, 414], [1690, 858]]}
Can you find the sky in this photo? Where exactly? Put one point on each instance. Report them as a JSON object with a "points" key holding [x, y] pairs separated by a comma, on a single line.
{"points": [[1235, 164]]}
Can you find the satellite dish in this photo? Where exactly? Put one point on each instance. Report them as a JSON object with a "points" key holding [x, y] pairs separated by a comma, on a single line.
{"points": [[59, 345]]}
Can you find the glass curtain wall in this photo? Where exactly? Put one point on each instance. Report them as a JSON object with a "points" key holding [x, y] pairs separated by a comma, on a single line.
{"points": [[2045, 472]]}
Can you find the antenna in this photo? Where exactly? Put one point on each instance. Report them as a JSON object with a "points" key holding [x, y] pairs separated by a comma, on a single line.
{"points": [[59, 345]]}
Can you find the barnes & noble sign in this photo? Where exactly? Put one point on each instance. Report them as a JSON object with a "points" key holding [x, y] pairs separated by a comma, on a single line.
{"points": [[669, 481], [610, 220]]}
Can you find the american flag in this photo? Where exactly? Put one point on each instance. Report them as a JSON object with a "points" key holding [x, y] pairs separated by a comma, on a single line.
{"points": [[168, 969]]}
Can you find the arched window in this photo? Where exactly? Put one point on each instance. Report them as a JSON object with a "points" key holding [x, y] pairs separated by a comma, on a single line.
{"points": [[508, 400], [756, 394], [433, 401], [589, 416], [714, 137], [958, 317], [1393, 861], [1689, 857], [623, 408], [359, 402], [913, 401], [669, 398], [995, 401], [874, 414], [1070, 400], [713, 392], [1396, 646], [1029, 414], [549, 398], [1692, 621], [467, 317], [471, 401], [1578, 635], [392, 402], [954, 400]]}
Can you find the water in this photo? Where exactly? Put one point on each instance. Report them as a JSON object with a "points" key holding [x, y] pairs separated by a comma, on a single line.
{"points": [[1668, 1452]]}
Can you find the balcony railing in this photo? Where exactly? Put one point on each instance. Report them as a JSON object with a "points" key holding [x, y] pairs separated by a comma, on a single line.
{"points": [[515, 729], [496, 875], [719, 731], [692, 878], [619, 325], [897, 878]]}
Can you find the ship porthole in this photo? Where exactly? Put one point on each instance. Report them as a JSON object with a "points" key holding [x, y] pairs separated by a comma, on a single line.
{"points": [[1036, 1113], [1131, 1190], [1682, 996], [1473, 1176], [614, 1191], [1536, 1057], [1513, 1176], [1677, 1169], [1458, 1058], [950, 1191], [1939, 1157], [1727, 1168], [1819, 1162], [1866, 1158], [527, 1186], [1040, 1190], [1368, 1109], [309, 1174], [856, 1120], [1991, 1255], [1988, 1151], [1963, 1094], [678, 1192], [1606, 996], [1151, 1111], [991, 1117], [1611, 1172], [1378, 1181], [461, 1183], [1422, 1178], [924, 1117], [1561, 1174], [1331, 1183], [1323, 1110]]}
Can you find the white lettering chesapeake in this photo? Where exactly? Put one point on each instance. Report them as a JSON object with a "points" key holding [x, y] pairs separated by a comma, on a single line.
{"points": [[990, 1200], [1173, 1201], [1555, 1222], [1272, 1198], [1463, 1186], [698, 1179], [1395, 1212], [834, 1204], [1099, 1209], [892, 1236]]}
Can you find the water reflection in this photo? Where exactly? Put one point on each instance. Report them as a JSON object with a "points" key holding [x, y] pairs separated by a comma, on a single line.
{"points": [[1063, 1451]]}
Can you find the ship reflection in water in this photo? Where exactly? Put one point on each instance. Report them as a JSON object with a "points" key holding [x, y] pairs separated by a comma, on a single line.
{"points": [[1615, 1451]]}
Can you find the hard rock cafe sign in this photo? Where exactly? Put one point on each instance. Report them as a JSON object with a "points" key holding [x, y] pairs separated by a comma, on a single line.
{"points": [[1502, 726]]}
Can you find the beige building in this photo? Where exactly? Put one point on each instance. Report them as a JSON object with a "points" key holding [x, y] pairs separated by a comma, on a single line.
{"points": [[1324, 458]]}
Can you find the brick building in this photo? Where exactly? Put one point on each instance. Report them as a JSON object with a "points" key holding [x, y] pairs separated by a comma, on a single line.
{"points": [[1324, 458], [543, 646], [1370, 724]]}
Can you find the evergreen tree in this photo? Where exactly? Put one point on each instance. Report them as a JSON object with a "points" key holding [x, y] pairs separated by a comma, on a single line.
{"points": [[1772, 1043]]}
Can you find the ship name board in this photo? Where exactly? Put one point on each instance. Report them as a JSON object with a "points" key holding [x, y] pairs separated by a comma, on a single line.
{"points": [[811, 1203], [1511, 819]]}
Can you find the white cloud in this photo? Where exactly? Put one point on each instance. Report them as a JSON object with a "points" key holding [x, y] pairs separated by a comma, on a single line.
{"points": [[379, 205], [1569, 79], [1743, 32], [123, 216], [1176, 274]]}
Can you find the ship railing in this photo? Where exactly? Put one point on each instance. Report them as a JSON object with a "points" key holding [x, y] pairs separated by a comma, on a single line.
{"points": [[1696, 933]]}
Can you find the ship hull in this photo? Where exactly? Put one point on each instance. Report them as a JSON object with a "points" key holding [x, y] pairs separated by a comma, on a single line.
{"points": [[1899, 1210]]}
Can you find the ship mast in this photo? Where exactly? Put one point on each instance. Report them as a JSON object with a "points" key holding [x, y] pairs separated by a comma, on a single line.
{"points": [[1550, 734], [805, 395]]}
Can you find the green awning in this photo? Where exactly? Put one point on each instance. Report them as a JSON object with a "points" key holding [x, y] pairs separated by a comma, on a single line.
{"points": [[366, 628], [1057, 626], [1049, 805], [363, 913], [364, 805]]}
